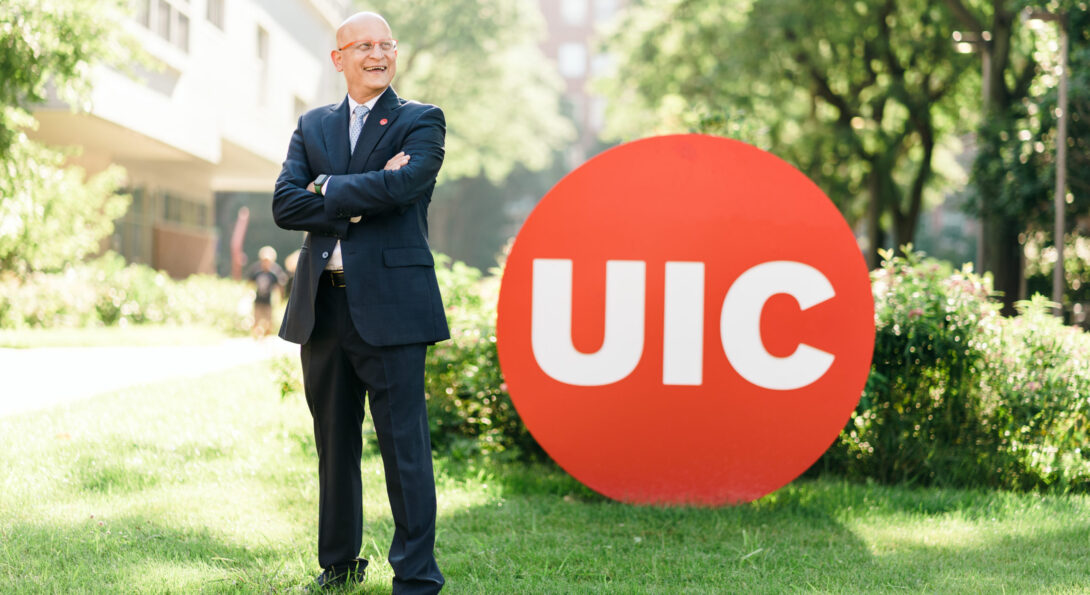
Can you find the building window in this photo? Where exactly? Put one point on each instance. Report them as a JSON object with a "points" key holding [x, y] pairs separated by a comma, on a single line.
{"points": [[596, 118], [604, 10], [133, 232], [263, 65], [571, 59], [143, 13], [574, 11], [215, 13], [165, 20], [181, 31], [162, 20], [183, 211], [602, 65], [262, 44]]}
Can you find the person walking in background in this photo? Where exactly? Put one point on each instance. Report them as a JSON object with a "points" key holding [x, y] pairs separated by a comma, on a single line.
{"points": [[365, 302], [268, 277]]}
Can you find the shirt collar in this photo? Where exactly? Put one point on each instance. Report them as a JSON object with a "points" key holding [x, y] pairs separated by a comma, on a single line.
{"points": [[370, 103]]}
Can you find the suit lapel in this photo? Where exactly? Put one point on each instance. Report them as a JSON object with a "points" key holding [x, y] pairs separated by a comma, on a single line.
{"points": [[378, 122], [335, 134]]}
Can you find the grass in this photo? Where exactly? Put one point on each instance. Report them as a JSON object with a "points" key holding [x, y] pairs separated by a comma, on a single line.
{"points": [[133, 335], [209, 485]]}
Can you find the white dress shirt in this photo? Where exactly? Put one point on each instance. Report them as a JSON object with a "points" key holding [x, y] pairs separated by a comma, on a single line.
{"points": [[335, 262]]}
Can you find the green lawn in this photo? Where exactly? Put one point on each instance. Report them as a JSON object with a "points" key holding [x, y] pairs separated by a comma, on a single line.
{"points": [[209, 485]]}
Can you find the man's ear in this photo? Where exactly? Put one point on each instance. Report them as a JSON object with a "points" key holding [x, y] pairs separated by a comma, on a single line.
{"points": [[335, 56]]}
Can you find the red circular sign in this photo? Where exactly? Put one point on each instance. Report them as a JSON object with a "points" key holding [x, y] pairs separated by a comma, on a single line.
{"points": [[685, 319]]}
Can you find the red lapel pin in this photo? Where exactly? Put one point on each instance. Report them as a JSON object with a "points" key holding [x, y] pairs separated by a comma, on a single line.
{"points": [[382, 122]]}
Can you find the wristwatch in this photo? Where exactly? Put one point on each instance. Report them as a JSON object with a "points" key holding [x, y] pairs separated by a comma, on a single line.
{"points": [[319, 182]]}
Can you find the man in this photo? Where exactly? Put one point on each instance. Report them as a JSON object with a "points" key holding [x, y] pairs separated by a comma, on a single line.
{"points": [[365, 303]]}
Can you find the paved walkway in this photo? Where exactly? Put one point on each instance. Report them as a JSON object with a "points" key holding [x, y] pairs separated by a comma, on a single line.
{"points": [[33, 379]]}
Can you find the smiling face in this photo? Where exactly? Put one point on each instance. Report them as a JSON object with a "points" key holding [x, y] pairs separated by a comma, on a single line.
{"points": [[368, 73]]}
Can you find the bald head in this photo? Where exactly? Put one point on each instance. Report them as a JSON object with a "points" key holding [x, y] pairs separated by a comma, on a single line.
{"points": [[358, 21], [365, 55]]}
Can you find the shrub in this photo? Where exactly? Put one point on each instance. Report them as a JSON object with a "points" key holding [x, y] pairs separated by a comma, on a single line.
{"points": [[957, 394], [469, 410], [468, 405], [961, 396], [107, 292], [1038, 380]]}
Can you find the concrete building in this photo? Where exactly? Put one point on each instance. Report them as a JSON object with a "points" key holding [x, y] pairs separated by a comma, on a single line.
{"points": [[574, 27], [212, 119]]}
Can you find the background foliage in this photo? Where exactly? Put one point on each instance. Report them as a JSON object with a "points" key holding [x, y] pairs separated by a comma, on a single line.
{"points": [[469, 409], [961, 396], [53, 44], [50, 215], [859, 96], [107, 292], [875, 101], [958, 396], [480, 61]]}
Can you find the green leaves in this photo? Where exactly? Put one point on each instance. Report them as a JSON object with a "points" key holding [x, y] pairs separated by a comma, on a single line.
{"points": [[469, 409], [50, 215], [479, 60], [960, 396], [53, 43]]}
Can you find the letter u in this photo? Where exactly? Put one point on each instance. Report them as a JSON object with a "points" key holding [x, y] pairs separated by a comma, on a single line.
{"points": [[551, 329]]}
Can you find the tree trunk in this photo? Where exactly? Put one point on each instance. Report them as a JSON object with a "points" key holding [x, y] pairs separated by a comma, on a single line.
{"points": [[874, 215], [1003, 258]]}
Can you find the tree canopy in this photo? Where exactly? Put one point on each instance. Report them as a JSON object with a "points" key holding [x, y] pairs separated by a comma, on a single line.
{"points": [[859, 96], [479, 60], [873, 100], [50, 215], [1013, 175]]}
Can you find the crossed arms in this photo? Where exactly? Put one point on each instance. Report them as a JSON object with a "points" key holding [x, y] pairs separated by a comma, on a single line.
{"points": [[406, 178]]}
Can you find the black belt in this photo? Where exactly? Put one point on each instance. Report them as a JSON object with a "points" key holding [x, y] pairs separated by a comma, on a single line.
{"points": [[334, 278]]}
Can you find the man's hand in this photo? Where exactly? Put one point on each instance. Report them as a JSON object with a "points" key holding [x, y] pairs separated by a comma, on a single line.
{"points": [[397, 161], [393, 164]]}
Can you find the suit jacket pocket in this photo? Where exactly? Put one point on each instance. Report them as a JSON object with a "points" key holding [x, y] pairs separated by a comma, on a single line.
{"points": [[407, 257]]}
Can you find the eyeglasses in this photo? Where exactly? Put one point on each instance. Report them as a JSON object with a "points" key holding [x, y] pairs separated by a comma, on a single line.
{"points": [[365, 46]]}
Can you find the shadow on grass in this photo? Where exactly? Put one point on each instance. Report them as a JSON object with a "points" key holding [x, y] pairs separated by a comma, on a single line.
{"points": [[1051, 561], [544, 532], [131, 554]]}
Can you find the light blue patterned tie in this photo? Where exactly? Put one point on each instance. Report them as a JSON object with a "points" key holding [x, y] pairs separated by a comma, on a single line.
{"points": [[358, 115]]}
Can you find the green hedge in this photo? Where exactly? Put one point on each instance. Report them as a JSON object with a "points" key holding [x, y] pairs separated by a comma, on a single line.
{"points": [[469, 410], [107, 292], [961, 396], [957, 395]]}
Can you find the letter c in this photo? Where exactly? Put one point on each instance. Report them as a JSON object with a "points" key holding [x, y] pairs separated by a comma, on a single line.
{"points": [[740, 324]]}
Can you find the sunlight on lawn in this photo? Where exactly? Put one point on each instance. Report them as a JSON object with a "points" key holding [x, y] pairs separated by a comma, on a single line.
{"points": [[210, 485]]}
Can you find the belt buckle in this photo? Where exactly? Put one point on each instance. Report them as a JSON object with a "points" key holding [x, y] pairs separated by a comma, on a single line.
{"points": [[336, 278]]}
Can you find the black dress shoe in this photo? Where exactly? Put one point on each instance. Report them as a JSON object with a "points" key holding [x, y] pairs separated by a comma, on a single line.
{"points": [[341, 574]]}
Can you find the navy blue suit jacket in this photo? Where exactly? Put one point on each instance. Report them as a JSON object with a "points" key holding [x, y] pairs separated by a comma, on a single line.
{"points": [[393, 295]]}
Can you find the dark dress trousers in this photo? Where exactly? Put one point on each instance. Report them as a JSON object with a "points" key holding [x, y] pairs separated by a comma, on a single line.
{"points": [[369, 337]]}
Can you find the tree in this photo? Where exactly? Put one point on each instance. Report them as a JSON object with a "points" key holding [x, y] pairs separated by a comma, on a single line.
{"points": [[48, 215], [479, 61], [1014, 171], [859, 96]]}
